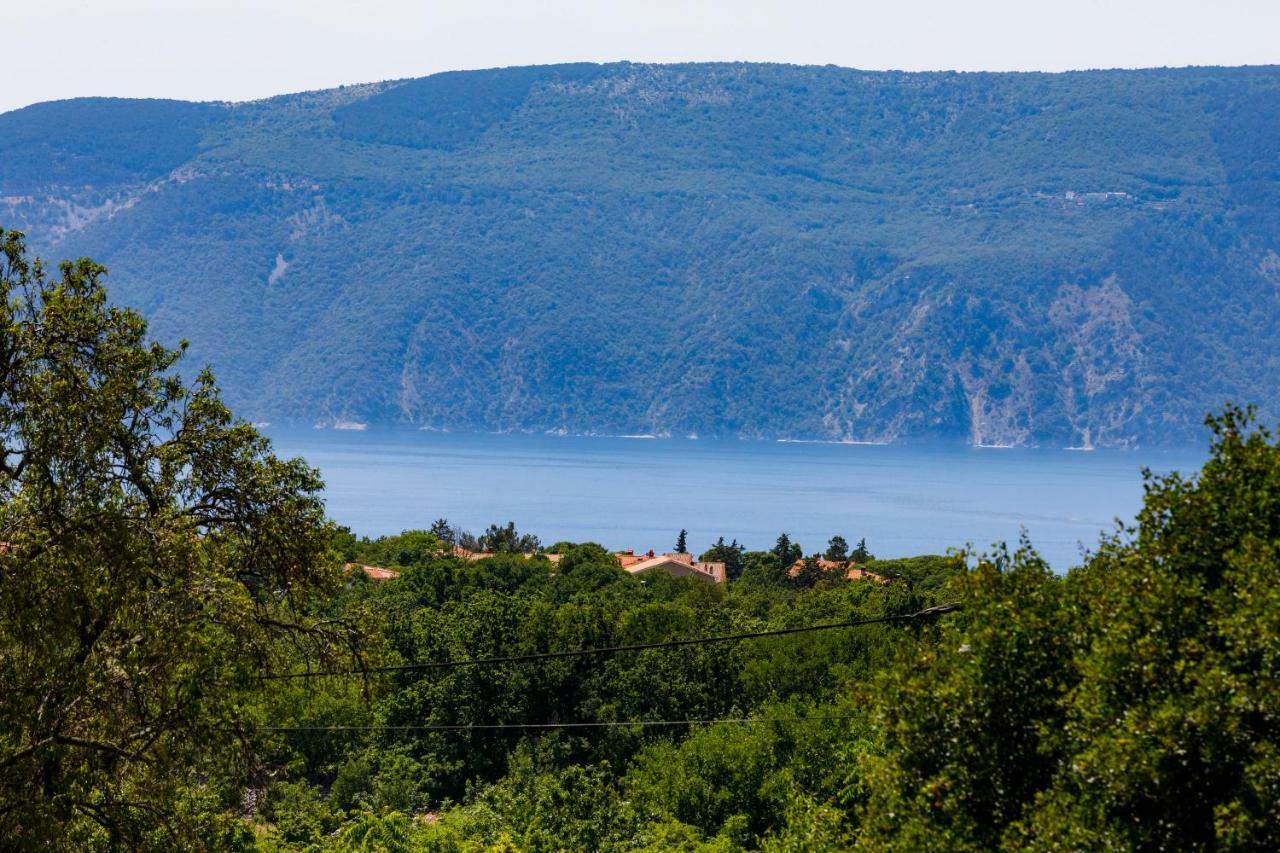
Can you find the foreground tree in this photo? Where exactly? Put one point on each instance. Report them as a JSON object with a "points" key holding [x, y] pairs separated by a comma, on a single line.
{"points": [[1134, 704], [1173, 732], [155, 553]]}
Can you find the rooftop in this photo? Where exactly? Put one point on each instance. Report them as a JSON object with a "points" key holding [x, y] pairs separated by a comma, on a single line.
{"points": [[377, 573], [851, 571]]}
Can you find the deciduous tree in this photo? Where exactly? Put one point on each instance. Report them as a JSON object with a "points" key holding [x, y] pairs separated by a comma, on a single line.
{"points": [[155, 553]]}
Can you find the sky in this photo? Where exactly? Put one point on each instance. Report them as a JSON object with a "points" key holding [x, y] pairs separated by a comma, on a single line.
{"points": [[245, 49]]}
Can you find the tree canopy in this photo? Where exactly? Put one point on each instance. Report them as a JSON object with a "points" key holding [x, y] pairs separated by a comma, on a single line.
{"points": [[155, 553]]}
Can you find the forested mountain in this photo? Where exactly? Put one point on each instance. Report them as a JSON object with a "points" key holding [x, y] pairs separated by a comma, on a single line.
{"points": [[732, 249]]}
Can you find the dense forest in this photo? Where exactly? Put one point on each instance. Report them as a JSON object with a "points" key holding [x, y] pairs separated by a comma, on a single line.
{"points": [[187, 665], [1081, 259]]}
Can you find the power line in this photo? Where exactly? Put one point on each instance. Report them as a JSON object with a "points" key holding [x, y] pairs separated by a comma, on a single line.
{"points": [[927, 613], [454, 727]]}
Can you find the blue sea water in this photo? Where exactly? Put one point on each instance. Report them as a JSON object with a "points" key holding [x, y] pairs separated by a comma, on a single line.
{"points": [[638, 493]]}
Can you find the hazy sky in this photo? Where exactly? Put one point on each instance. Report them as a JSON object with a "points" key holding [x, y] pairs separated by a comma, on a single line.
{"points": [[242, 49]]}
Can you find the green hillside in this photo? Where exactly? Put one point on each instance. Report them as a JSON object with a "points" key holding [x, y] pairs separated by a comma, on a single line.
{"points": [[726, 249]]}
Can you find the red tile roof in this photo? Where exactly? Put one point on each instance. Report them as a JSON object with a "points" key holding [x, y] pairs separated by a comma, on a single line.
{"points": [[676, 565], [851, 572], [377, 573], [472, 556], [857, 574]]}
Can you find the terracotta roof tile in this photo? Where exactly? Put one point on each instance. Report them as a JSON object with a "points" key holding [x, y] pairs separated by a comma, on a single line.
{"points": [[852, 572], [377, 573]]}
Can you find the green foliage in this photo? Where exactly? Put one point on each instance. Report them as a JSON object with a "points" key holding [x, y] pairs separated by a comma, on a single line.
{"points": [[1170, 721], [506, 540], [155, 555], [1127, 706], [959, 755], [709, 788], [583, 555], [732, 555], [410, 548], [442, 530], [298, 813], [810, 573], [787, 552]]}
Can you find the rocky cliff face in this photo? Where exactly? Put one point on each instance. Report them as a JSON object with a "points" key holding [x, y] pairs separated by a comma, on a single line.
{"points": [[765, 251]]}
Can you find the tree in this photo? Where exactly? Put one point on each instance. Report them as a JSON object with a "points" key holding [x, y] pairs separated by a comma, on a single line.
{"points": [[730, 554], [786, 551], [440, 527], [998, 673], [1129, 706], [837, 550], [499, 539], [1177, 707], [155, 552], [682, 545], [810, 573], [861, 555], [410, 548], [466, 540]]}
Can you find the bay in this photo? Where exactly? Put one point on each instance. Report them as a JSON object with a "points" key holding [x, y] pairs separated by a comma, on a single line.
{"points": [[638, 492]]}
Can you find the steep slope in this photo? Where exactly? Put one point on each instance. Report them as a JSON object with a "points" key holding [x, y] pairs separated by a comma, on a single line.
{"points": [[1072, 259]]}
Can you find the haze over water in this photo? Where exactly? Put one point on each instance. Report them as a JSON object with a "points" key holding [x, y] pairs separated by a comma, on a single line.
{"points": [[638, 493]]}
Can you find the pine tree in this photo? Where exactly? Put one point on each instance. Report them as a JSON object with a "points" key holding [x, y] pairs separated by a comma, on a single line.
{"points": [[682, 545], [440, 527], [786, 551], [731, 554]]}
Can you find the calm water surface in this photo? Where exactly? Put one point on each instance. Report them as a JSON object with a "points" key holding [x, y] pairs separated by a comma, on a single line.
{"points": [[637, 493]]}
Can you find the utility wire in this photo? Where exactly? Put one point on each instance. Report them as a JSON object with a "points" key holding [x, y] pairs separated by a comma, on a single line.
{"points": [[590, 725], [928, 612]]}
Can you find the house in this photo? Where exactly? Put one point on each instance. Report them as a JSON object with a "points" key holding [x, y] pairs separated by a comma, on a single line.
{"points": [[856, 574], [851, 572], [472, 556], [377, 573], [629, 558], [673, 564]]}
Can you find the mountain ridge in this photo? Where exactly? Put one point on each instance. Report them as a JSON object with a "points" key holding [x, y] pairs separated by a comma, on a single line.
{"points": [[769, 251]]}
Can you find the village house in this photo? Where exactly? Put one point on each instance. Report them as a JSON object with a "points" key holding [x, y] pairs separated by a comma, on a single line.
{"points": [[472, 556], [851, 571], [674, 564], [377, 573]]}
